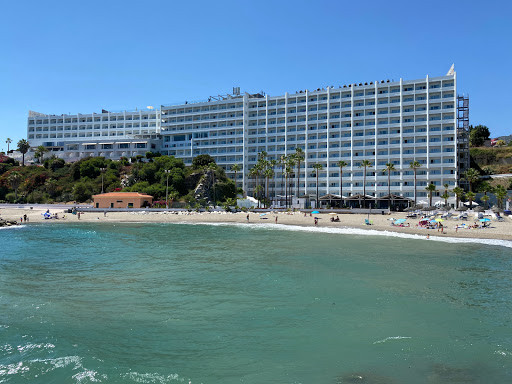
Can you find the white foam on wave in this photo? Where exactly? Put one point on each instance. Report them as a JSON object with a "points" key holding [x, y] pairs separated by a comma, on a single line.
{"points": [[392, 338], [14, 227], [152, 377], [362, 232]]}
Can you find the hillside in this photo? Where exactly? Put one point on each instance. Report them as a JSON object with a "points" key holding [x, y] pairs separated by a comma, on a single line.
{"points": [[492, 160], [57, 181]]}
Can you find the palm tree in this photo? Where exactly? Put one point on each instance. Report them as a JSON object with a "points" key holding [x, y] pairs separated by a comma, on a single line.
{"points": [[8, 141], [486, 187], [39, 153], [500, 192], [341, 164], [268, 173], [471, 176], [272, 165], [15, 179], [459, 192], [317, 167], [287, 173], [414, 165], [291, 164], [173, 196], [299, 157], [471, 196], [365, 164], [23, 147], [236, 168], [431, 188], [446, 194], [389, 168], [485, 199], [282, 161]]}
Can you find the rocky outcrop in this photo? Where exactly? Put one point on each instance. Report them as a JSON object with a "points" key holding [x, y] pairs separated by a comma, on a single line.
{"points": [[7, 223], [204, 190]]}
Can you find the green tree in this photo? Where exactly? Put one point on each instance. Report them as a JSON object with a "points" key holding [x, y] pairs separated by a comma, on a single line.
{"points": [[390, 167], [341, 164], [39, 153], [431, 188], [212, 167], [268, 173], [23, 147], [477, 135], [365, 164], [236, 168], [501, 193], [15, 179], [471, 176], [459, 193], [81, 192], [201, 161], [470, 196], [446, 194], [317, 167], [414, 165], [299, 157], [485, 199]]}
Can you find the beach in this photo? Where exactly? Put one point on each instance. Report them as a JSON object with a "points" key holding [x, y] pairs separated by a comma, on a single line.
{"points": [[497, 230]]}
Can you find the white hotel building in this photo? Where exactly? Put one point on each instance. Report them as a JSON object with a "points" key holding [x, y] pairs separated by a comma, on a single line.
{"points": [[381, 121], [109, 134]]}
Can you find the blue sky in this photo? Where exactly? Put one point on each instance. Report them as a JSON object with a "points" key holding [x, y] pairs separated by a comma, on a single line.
{"points": [[79, 57]]}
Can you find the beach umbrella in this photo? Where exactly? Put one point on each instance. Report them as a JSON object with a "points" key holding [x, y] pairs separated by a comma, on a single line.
{"points": [[462, 209], [432, 221], [332, 213], [400, 221], [439, 220], [473, 203], [262, 214], [478, 209], [315, 212], [485, 220]]}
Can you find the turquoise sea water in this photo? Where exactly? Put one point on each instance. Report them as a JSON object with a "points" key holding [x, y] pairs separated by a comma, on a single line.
{"points": [[177, 303]]}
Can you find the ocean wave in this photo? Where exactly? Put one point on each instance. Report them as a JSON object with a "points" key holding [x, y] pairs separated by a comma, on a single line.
{"points": [[362, 232], [392, 338], [12, 227], [153, 378]]}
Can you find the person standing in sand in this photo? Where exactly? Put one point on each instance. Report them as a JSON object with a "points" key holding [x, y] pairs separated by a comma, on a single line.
{"points": [[247, 217], [276, 219]]}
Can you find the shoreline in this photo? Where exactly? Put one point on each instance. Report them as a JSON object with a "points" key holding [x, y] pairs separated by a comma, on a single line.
{"points": [[381, 223]]}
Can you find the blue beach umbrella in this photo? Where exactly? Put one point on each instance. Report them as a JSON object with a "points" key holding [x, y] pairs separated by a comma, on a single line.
{"points": [[315, 212], [400, 221], [485, 220]]}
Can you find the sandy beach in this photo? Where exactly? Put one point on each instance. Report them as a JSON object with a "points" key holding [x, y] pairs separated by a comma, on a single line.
{"points": [[497, 230]]}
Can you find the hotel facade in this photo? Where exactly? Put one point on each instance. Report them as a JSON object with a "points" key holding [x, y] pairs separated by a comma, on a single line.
{"points": [[384, 122]]}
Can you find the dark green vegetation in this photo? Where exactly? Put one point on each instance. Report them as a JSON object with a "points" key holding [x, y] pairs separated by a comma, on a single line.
{"points": [[57, 181]]}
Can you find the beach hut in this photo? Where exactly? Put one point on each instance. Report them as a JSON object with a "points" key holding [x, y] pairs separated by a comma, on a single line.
{"points": [[358, 200], [334, 200], [122, 200]]}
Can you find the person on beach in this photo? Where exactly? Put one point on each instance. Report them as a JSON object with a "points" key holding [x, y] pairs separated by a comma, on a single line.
{"points": [[25, 217], [247, 217], [428, 236], [316, 222], [78, 215], [276, 219]]}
